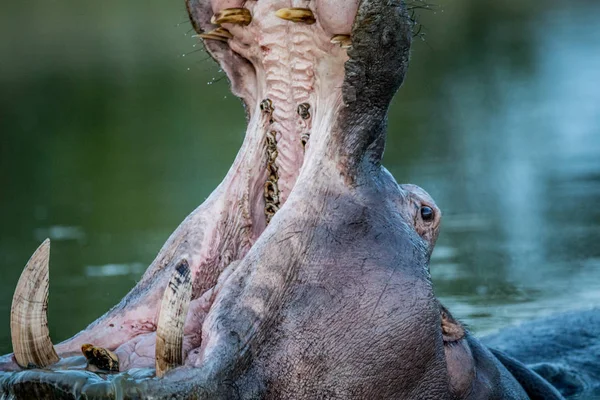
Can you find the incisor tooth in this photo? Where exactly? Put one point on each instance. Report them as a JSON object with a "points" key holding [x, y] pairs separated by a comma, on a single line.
{"points": [[239, 16], [221, 34], [345, 41], [304, 15], [28, 321], [171, 320]]}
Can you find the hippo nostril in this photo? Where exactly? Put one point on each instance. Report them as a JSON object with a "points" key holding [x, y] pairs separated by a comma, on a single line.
{"points": [[427, 213]]}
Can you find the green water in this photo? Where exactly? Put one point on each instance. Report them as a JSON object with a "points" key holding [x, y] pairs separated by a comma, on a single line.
{"points": [[109, 137]]}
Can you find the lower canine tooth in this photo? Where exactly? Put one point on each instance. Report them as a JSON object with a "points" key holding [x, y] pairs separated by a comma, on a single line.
{"points": [[304, 15], [239, 16], [344, 41], [171, 320], [28, 321]]}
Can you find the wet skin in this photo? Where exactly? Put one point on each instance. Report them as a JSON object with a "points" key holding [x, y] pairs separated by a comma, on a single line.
{"points": [[305, 273]]}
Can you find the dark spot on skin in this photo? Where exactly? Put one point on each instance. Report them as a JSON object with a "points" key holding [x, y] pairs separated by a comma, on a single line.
{"points": [[427, 213], [111, 325]]}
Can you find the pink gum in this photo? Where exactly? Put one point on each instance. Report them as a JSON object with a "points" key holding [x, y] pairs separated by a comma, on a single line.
{"points": [[336, 17], [218, 5]]}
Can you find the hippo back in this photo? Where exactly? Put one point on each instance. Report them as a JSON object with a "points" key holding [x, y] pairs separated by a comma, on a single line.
{"points": [[563, 349]]}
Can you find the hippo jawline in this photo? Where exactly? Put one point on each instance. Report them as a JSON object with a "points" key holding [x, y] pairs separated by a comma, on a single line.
{"points": [[244, 298]]}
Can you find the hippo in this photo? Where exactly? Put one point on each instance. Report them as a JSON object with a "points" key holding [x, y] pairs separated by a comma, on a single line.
{"points": [[305, 274]]}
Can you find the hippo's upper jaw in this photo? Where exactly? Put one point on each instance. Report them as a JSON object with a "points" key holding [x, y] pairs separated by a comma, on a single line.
{"points": [[305, 273]]}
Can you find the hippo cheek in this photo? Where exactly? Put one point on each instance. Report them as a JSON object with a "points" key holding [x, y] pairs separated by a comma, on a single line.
{"points": [[301, 274]]}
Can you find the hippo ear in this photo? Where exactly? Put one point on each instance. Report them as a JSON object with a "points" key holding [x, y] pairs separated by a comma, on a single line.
{"points": [[452, 330], [459, 359]]}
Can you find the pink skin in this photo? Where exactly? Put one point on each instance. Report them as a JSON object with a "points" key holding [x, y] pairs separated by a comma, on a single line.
{"points": [[139, 352], [218, 5], [335, 17]]}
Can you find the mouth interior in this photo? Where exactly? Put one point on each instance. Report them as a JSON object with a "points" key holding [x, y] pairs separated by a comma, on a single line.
{"points": [[287, 65]]}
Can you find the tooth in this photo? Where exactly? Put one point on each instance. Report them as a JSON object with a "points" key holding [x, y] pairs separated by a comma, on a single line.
{"points": [[221, 34], [171, 320], [344, 41], [304, 15], [304, 110], [100, 359], [304, 139], [28, 321], [239, 16]]}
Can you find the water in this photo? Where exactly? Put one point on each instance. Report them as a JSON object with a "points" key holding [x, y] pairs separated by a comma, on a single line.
{"points": [[109, 138]]}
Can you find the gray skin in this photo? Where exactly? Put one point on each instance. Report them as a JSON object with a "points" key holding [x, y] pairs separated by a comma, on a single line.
{"points": [[333, 297], [563, 349]]}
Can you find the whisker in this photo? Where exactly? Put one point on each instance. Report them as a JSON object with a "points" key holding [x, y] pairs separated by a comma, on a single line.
{"points": [[192, 52], [208, 57], [220, 79]]}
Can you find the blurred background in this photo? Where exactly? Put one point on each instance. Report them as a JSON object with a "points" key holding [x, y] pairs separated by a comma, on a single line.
{"points": [[114, 126]]}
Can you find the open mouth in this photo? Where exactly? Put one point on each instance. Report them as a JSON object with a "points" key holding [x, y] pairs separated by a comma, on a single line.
{"points": [[316, 78]]}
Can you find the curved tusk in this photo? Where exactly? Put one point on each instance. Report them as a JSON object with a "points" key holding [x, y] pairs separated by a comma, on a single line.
{"points": [[303, 15], [171, 320], [28, 321]]}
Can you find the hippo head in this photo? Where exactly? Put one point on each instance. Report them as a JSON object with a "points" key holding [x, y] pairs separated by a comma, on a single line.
{"points": [[305, 273]]}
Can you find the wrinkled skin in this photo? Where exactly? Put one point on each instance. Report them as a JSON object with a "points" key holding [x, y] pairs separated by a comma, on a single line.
{"points": [[564, 349], [316, 285]]}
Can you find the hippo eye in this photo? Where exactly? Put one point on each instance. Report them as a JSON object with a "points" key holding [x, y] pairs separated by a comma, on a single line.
{"points": [[427, 213]]}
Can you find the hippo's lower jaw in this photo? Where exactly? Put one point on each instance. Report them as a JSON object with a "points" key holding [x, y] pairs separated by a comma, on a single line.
{"points": [[305, 273]]}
